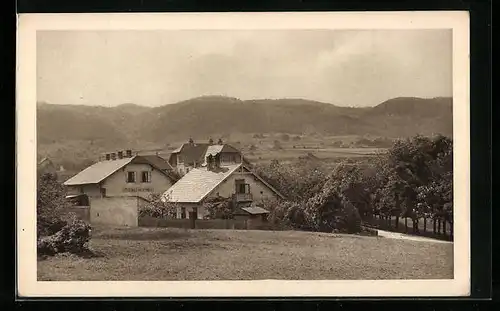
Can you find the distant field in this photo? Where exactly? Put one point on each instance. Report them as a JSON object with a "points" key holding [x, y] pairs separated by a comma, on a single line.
{"points": [[323, 153], [176, 254]]}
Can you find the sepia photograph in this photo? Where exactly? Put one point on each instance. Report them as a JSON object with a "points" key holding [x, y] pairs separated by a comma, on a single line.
{"points": [[250, 153]]}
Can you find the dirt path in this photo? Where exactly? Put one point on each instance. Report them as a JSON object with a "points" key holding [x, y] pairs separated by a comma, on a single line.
{"points": [[402, 236]]}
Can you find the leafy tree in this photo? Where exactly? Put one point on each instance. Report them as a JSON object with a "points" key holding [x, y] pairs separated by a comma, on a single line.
{"points": [[51, 203], [57, 230], [296, 182], [415, 179], [332, 208]]}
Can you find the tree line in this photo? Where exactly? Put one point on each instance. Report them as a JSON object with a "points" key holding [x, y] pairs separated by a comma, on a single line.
{"points": [[413, 179]]}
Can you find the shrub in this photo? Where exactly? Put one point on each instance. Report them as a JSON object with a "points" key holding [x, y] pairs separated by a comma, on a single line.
{"points": [[158, 208], [73, 238], [219, 208]]}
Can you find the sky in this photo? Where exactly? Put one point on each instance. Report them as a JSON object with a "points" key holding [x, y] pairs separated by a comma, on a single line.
{"points": [[357, 68]]}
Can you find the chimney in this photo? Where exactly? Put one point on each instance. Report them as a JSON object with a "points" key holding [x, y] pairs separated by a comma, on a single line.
{"points": [[220, 142], [108, 157], [217, 161], [120, 154], [128, 153], [113, 156], [210, 162]]}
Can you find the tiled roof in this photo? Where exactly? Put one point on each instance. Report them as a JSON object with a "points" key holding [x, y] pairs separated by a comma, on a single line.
{"points": [[43, 161], [158, 161], [192, 152], [213, 150], [197, 184], [97, 172], [101, 170]]}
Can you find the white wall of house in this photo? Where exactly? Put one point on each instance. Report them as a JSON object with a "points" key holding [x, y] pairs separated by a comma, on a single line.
{"points": [[117, 185], [183, 169], [258, 189], [115, 211]]}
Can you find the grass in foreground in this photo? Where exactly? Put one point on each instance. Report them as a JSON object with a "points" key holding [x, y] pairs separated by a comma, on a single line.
{"points": [[163, 254]]}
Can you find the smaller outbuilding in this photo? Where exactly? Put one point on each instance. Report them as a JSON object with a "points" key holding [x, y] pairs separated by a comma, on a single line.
{"points": [[253, 215]]}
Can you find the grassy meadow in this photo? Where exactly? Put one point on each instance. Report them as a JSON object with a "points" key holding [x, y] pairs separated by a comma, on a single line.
{"points": [[162, 254]]}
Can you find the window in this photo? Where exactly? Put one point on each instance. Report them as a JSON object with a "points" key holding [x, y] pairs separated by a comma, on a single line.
{"points": [[130, 177], [241, 188], [146, 176], [183, 212]]}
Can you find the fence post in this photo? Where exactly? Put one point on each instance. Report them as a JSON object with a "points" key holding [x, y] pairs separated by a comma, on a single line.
{"points": [[192, 220]]}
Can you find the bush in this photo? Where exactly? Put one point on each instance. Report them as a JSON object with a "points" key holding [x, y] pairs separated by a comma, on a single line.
{"points": [[72, 238], [219, 208], [157, 208]]}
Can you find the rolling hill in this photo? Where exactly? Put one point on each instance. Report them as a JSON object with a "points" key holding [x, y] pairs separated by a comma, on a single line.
{"points": [[91, 129]]}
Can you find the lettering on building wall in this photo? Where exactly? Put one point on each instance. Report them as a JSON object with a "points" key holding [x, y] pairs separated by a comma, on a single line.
{"points": [[138, 189]]}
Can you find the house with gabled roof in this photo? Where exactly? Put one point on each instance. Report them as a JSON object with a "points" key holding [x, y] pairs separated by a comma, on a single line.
{"points": [[119, 184], [193, 155], [123, 174], [218, 178]]}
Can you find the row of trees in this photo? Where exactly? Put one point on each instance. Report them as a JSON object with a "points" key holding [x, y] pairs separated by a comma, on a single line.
{"points": [[414, 179]]}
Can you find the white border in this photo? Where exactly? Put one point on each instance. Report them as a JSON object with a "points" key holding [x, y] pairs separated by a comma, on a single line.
{"points": [[28, 24]]}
